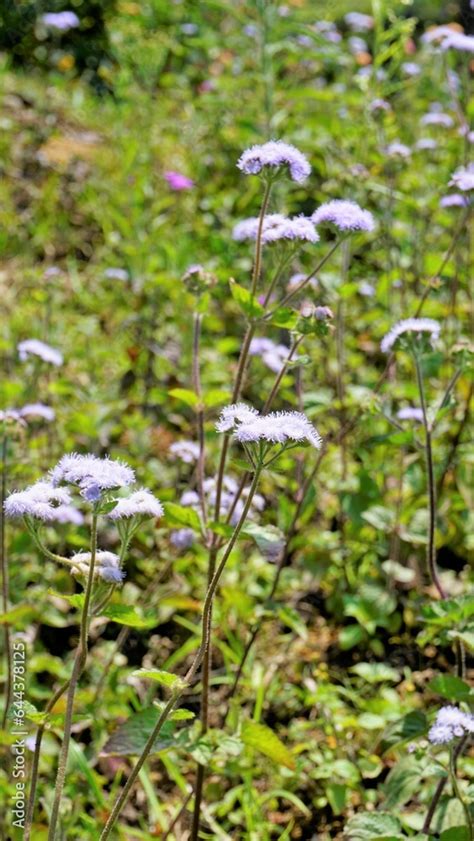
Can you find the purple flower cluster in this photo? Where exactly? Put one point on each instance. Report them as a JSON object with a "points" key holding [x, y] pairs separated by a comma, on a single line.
{"points": [[344, 215], [411, 325], [41, 501], [34, 347], [274, 356], [141, 503], [187, 451], [463, 178], [62, 21], [107, 566], [275, 154], [91, 474], [249, 426], [450, 723]]}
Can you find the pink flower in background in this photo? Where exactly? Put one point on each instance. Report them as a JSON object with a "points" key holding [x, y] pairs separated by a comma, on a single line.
{"points": [[178, 181]]}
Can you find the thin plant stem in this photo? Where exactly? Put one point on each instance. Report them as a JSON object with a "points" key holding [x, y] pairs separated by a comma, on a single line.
{"points": [[431, 548], [79, 663], [213, 549], [5, 582], [176, 695], [457, 791], [196, 377], [291, 294]]}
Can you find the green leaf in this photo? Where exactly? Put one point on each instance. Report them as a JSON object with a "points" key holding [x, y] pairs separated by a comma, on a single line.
{"points": [[164, 678], [455, 833], [336, 794], [125, 614], [247, 303], [263, 739], [350, 636], [177, 715], [182, 515], [375, 672], [20, 613], [130, 738], [284, 317], [412, 726], [451, 687], [186, 396], [370, 826], [401, 782]]}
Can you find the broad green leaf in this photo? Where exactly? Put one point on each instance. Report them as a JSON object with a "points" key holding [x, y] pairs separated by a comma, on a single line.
{"points": [[263, 739], [412, 726], [401, 782], [130, 738], [350, 636], [125, 614], [455, 833], [182, 515], [284, 317], [247, 303], [164, 678], [186, 396], [451, 687], [336, 794], [370, 826]]}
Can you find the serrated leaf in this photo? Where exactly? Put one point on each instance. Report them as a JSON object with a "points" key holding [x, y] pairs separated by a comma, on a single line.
{"points": [[164, 678], [263, 739], [247, 303], [182, 515], [125, 614], [367, 826], [130, 738]]}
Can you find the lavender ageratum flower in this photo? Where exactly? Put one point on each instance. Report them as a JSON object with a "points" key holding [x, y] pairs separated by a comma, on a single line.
{"points": [[410, 413], [278, 428], [425, 144], [436, 33], [273, 355], [189, 499], [411, 325], [177, 181], [236, 413], [436, 118], [182, 539], [366, 289], [116, 274], [410, 68], [463, 178], [92, 474], [40, 501], [458, 41], [344, 215], [359, 22], [450, 723], [141, 503], [68, 514], [379, 105], [275, 154], [357, 45], [34, 347], [397, 150], [107, 566], [297, 228], [38, 410], [454, 200], [63, 21], [248, 228], [13, 415], [187, 451]]}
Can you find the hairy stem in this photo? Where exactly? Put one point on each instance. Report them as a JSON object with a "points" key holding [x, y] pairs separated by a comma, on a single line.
{"points": [[5, 582], [79, 663], [431, 549], [196, 377]]}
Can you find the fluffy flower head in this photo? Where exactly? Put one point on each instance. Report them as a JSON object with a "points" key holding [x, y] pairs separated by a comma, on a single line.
{"points": [[34, 347], [411, 325], [38, 410], [92, 474], [345, 215], [107, 566], [450, 723], [40, 500], [61, 20], [410, 413], [297, 228], [272, 355], [275, 154], [236, 413], [187, 451], [463, 178], [278, 428], [141, 503]]}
